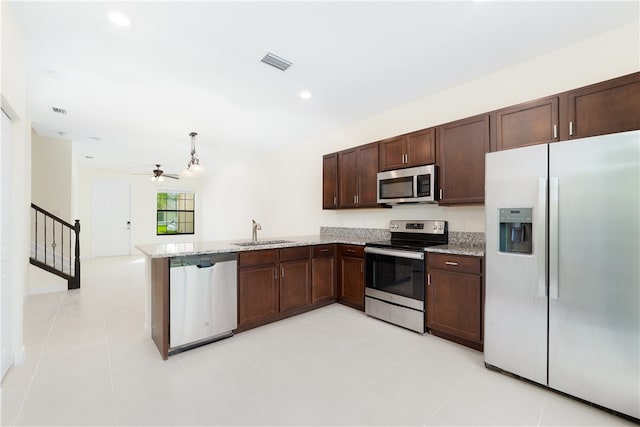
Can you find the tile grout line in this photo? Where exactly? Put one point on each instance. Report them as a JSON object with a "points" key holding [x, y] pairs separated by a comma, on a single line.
{"points": [[106, 338], [455, 389], [35, 370]]}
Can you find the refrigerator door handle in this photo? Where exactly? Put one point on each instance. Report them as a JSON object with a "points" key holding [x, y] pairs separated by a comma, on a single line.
{"points": [[553, 237], [540, 237]]}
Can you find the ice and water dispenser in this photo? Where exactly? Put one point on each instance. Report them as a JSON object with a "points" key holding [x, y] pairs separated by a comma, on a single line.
{"points": [[516, 234]]}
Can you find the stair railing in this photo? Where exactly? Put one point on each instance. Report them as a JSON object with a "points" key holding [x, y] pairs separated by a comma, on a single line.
{"points": [[55, 245]]}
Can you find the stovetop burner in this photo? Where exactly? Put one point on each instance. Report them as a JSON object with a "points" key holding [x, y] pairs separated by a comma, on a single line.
{"points": [[415, 235]]}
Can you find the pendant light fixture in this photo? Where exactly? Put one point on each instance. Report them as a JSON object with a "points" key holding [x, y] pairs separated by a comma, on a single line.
{"points": [[194, 163]]}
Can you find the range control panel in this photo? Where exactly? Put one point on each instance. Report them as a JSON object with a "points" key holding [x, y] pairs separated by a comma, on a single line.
{"points": [[418, 226]]}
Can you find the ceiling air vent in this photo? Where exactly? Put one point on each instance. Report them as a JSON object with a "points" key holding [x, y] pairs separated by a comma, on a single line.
{"points": [[59, 110], [276, 61]]}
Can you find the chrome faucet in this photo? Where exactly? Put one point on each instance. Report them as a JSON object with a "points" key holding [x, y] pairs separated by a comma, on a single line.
{"points": [[254, 231]]}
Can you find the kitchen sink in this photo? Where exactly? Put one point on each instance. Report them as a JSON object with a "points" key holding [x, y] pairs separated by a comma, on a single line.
{"points": [[261, 242]]}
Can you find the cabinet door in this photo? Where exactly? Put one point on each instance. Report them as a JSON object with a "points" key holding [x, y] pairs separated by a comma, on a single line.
{"points": [[526, 124], [257, 294], [295, 286], [392, 153], [323, 279], [352, 281], [330, 181], [368, 175], [454, 304], [461, 149], [421, 147], [607, 107], [347, 178]]}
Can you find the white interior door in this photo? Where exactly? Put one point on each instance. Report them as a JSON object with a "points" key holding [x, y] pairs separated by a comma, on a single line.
{"points": [[5, 290], [111, 218]]}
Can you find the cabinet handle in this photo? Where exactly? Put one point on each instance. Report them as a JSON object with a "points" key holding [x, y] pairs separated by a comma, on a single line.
{"points": [[355, 200], [428, 279], [555, 131], [324, 250], [275, 273], [335, 201], [281, 271], [570, 128], [351, 250], [441, 194], [450, 263]]}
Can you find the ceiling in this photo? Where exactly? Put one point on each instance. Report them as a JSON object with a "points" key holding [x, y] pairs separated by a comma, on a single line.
{"points": [[133, 94]]}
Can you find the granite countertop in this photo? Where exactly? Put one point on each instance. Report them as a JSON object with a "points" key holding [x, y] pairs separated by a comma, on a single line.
{"points": [[458, 249], [164, 250]]}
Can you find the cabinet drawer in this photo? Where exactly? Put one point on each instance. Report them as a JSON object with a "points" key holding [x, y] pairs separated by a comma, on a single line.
{"points": [[352, 250], [290, 254], [457, 263], [255, 258], [324, 250]]}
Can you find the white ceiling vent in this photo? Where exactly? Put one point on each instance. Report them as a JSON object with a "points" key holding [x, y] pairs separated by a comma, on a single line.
{"points": [[276, 61], [59, 110]]}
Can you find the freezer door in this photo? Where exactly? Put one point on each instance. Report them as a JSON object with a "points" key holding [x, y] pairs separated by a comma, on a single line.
{"points": [[594, 275], [516, 304]]}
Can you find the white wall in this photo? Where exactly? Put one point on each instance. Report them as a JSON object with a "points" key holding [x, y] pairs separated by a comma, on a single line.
{"points": [[286, 185], [13, 98], [51, 175], [143, 207]]}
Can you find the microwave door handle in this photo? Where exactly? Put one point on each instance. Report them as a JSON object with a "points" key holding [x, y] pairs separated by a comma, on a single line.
{"points": [[415, 185]]}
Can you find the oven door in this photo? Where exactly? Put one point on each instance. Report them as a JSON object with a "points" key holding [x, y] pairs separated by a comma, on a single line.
{"points": [[395, 275]]}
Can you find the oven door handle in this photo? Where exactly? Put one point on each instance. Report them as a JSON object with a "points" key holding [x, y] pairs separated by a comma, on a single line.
{"points": [[395, 253]]}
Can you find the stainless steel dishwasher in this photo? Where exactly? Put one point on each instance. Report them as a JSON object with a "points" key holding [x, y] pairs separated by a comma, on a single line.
{"points": [[203, 297]]}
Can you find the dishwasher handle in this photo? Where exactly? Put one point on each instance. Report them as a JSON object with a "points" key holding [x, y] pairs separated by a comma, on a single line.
{"points": [[206, 264]]}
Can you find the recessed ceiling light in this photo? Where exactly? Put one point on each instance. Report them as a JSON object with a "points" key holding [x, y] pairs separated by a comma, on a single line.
{"points": [[120, 19], [305, 94]]}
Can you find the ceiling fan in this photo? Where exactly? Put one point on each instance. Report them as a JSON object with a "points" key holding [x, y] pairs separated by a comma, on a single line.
{"points": [[158, 175]]}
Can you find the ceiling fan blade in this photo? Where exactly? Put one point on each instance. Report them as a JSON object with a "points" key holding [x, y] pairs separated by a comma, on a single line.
{"points": [[170, 175]]}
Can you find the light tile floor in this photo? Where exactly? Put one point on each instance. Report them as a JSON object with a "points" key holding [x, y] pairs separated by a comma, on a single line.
{"points": [[90, 362]]}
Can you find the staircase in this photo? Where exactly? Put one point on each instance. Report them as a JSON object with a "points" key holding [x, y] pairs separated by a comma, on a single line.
{"points": [[55, 245]]}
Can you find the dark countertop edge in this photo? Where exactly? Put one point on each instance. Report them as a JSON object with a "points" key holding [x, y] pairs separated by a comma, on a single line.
{"points": [[156, 250]]}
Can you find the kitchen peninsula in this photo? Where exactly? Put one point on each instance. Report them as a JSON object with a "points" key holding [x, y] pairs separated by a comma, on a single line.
{"points": [[279, 278]]}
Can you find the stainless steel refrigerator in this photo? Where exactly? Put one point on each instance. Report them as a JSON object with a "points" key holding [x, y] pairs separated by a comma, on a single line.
{"points": [[562, 301]]}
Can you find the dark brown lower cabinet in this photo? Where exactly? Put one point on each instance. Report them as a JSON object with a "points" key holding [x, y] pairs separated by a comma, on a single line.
{"points": [[455, 303], [323, 274], [258, 287], [277, 283], [351, 273], [295, 279]]}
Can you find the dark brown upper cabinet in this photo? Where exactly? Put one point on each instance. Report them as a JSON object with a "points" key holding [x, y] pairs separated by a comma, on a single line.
{"points": [[330, 181], [531, 123], [412, 149], [357, 177], [608, 107], [461, 146]]}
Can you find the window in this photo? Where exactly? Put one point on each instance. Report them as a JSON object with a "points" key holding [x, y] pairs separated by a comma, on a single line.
{"points": [[175, 213]]}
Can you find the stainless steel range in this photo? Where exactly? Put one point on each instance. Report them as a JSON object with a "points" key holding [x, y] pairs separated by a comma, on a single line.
{"points": [[395, 272]]}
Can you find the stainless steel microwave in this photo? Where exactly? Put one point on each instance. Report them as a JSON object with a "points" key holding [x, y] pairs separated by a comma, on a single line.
{"points": [[409, 185]]}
